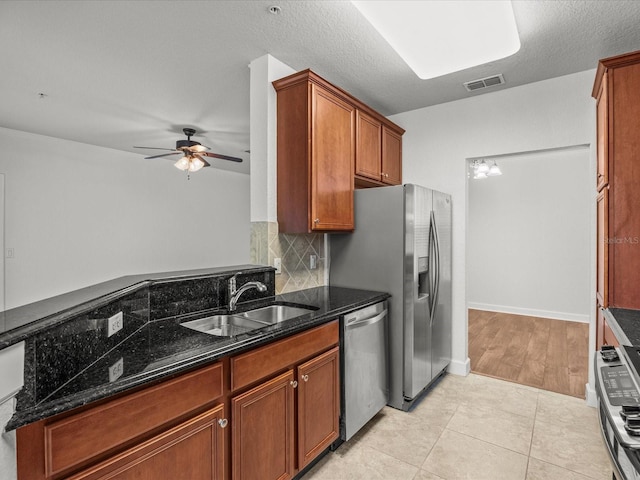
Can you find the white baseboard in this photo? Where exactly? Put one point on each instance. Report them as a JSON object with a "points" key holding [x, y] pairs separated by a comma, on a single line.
{"points": [[570, 317], [590, 395], [456, 367]]}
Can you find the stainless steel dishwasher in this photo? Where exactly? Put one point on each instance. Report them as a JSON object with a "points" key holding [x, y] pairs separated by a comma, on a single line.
{"points": [[365, 385]]}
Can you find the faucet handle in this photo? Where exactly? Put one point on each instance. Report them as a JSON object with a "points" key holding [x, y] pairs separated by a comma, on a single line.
{"points": [[232, 283]]}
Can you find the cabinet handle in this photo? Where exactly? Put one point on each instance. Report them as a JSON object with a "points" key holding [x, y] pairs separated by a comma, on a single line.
{"points": [[223, 422], [305, 378], [294, 383], [316, 221]]}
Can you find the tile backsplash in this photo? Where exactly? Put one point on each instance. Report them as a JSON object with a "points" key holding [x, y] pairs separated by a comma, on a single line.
{"points": [[294, 251]]}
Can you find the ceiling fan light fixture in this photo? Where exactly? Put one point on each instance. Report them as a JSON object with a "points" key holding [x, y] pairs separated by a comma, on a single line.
{"points": [[183, 163], [195, 164]]}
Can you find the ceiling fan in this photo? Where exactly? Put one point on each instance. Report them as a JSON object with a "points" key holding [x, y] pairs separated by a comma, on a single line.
{"points": [[192, 153]]}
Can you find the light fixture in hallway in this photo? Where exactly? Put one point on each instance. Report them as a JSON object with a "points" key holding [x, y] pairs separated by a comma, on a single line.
{"points": [[483, 170]]}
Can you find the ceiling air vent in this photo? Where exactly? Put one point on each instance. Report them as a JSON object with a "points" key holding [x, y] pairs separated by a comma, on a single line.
{"points": [[484, 82]]}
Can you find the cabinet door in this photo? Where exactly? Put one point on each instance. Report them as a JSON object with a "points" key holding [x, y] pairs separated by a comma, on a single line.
{"points": [[391, 157], [603, 135], [368, 146], [332, 159], [194, 450], [262, 431], [318, 405], [602, 249]]}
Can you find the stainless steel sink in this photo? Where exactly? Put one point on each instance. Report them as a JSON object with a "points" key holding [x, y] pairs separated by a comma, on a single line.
{"points": [[238, 323], [275, 313], [223, 325]]}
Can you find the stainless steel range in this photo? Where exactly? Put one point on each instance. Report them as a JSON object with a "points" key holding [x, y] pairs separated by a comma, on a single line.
{"points": [[618, 392]]}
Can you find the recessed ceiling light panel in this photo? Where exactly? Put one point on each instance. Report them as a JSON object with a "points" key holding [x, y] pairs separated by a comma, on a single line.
{"points": [[439, 37]]}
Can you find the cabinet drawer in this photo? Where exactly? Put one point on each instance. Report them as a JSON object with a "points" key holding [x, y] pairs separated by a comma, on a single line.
{"points": [[264, 361], [193, 449], [79, 438]]}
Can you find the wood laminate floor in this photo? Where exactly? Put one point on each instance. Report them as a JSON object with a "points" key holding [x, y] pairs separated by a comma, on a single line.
{"points": [[539, 352]]}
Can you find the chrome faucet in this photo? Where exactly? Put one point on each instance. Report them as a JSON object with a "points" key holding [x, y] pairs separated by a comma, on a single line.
{"points": [[234, 293]]}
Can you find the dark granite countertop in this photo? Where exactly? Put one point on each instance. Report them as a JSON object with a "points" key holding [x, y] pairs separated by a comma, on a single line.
{"points": [[625, 324], [21, 322], [156, 350]]}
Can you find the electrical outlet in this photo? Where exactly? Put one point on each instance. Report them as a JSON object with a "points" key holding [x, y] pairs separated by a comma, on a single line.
{"points": [[116, 370], [10, 253], [277, 263], [115, 324], [313, 262]]}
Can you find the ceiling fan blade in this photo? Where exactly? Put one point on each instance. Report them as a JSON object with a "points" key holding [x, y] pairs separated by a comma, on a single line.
{"points": [[163, 155], [222, 157], [206, 164], [156, 148]]}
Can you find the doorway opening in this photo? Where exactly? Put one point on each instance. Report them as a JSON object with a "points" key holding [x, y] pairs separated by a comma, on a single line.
{"points": [[529, 261]]}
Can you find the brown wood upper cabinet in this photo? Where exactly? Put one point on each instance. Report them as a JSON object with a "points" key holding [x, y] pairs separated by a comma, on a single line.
{"points": [[378, 153], [316, 151], [618, 184], [328, 142]]}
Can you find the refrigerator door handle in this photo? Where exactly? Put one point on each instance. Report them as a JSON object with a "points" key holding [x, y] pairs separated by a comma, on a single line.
{"points": [[435, 251]]}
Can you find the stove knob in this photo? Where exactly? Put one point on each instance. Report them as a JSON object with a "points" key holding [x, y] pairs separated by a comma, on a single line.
{"points": [[609, 353]]}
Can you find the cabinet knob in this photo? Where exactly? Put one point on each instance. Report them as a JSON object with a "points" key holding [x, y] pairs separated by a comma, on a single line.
{"points": [[223, 422], [305, 378], [294, 383], [317, 220]]}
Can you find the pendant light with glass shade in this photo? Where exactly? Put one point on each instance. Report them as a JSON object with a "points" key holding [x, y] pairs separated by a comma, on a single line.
{"points": [[482, 170], [494, 170]]}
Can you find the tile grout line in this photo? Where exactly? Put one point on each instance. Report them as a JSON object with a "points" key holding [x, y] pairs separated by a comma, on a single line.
{"points": [[533, 429]]}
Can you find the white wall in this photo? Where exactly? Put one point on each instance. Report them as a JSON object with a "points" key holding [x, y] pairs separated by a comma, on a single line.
{"points": [[550, 114], [264, 70], [528, 236], [77, 215]]}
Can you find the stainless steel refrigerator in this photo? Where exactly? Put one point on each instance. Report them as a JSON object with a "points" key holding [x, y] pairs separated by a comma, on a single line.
{"points": [[402, 245]]}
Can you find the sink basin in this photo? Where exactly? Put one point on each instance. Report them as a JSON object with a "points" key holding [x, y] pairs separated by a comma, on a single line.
{"points": [[223, 325], [274, 313], [238, 323]]}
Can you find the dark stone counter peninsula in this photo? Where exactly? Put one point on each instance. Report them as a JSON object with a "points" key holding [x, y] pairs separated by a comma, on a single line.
{"points": [[625, 324], [71, 361]]}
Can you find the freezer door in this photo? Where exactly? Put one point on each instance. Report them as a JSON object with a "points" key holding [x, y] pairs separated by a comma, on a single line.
{"points": [[441, 314], [417, 291]]}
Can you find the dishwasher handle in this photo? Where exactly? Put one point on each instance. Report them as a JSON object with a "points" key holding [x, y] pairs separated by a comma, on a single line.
{"points": [[355, 322]]}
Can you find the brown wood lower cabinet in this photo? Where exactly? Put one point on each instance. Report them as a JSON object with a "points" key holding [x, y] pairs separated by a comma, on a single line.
{"points": [[132, 436], [318, 405], [193, 450], [262, 430], [287, 420], [282, 398]]}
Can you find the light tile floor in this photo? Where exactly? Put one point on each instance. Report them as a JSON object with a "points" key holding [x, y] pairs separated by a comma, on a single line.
{"points": [[475, 428]]}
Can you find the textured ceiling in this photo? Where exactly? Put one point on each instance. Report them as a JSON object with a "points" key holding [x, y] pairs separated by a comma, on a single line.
{"points": [[124, 73]]}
